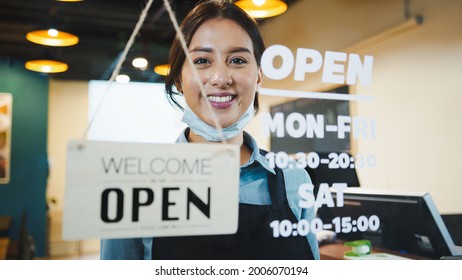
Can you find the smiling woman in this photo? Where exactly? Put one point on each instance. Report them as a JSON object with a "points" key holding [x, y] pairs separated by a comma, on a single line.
{"points": [[220, 79], [228, 71]]}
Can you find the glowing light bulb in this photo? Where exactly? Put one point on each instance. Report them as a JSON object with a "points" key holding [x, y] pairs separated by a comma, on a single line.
{"points": [[122, 79], [53, 32], [140, 62], [259, 2], [46, 69]]}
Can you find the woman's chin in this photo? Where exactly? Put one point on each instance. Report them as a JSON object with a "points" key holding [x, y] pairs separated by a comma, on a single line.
{"points": [[213, 122]]}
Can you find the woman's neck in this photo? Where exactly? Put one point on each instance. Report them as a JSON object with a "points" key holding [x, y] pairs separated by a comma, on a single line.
{"points": [[236, 140]]}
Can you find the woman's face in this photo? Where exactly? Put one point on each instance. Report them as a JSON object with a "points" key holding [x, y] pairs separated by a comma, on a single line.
{"points": [[222, 53]]}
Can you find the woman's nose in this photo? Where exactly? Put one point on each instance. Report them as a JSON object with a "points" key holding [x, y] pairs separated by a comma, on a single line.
{"points": [[221, 76]]}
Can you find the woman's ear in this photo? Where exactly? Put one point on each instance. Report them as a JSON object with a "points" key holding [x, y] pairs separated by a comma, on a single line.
{"points": [[259, 78]]}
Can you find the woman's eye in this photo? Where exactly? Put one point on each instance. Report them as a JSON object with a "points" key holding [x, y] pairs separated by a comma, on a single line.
{"points": [[200, 61], [238, 60]]}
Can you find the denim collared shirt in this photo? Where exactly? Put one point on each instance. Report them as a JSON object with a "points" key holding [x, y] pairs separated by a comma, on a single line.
{"points": [[253, 189]]}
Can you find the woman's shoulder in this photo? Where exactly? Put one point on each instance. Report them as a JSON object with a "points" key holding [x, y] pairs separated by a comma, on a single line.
{"points": [[294, 177]]}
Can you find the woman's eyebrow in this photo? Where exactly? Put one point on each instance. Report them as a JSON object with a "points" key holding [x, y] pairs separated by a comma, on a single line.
{"points": [[201, 49], [210, 50], [239, 49]]}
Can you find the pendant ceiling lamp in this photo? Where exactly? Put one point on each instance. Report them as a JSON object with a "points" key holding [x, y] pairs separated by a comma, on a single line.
{"points": [[140, 62], [52, 37], [262, 8], [162, 69], [46, 66], [122, 79]]}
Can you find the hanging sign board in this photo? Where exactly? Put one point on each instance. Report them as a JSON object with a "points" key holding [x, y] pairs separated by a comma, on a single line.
{"points": [[122, 190]]}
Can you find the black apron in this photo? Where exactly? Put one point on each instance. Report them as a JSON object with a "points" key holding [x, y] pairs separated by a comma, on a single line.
{"points": [[254, 238]]}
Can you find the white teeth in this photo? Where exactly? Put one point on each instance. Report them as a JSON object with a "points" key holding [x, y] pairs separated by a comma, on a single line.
{"points": [[220, 99]]}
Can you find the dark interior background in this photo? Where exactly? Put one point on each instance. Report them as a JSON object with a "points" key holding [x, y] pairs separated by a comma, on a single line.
{"points": [[103, 26]]}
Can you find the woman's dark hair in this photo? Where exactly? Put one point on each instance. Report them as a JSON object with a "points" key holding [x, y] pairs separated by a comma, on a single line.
{"points": [[200, 14]]}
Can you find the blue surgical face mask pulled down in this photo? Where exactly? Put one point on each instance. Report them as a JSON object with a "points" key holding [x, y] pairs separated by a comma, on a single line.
{"points": [[212, 134]]}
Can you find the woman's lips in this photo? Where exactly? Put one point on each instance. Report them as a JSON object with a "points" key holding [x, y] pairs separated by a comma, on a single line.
{"points": [[221, 101]]}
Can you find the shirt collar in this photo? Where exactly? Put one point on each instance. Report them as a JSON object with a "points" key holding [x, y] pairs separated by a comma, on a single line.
{"points": [[182, 138], [250, 142], [256, 155]]}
